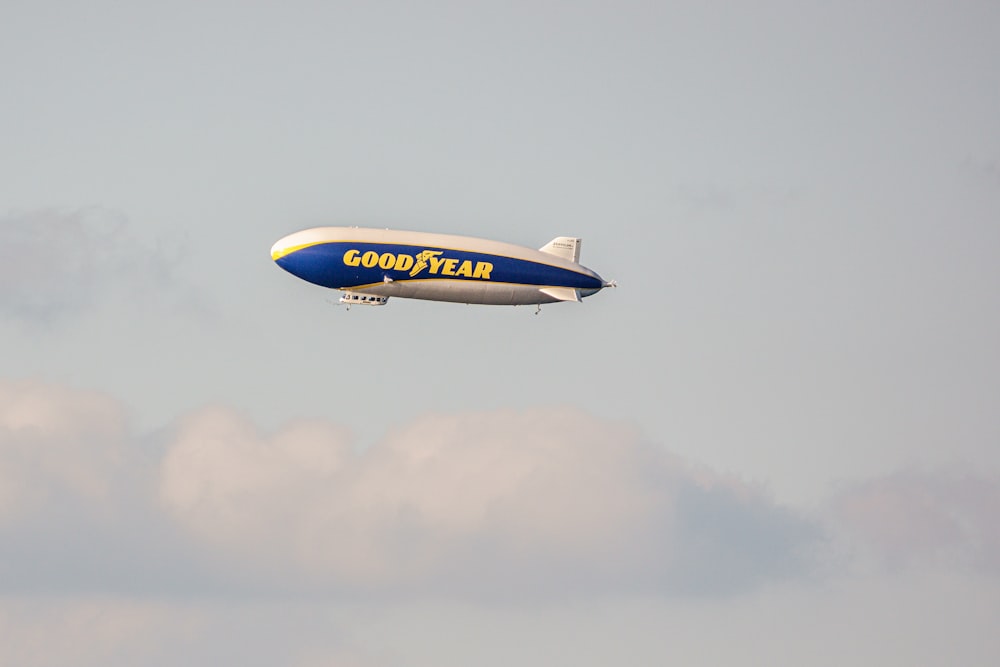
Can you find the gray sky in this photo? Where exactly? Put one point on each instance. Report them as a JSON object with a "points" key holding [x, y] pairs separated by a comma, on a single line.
{"points": [[787, 412]]}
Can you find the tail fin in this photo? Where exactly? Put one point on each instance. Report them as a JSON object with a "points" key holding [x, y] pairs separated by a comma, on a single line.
{"points": [[561, 293], [567, 247]]}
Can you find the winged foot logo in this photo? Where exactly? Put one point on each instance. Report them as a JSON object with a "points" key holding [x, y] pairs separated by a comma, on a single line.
{"points": [[429, 260]]}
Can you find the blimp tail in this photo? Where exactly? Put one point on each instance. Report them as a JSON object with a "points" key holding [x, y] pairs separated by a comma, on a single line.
{"points": [[567, 247]]}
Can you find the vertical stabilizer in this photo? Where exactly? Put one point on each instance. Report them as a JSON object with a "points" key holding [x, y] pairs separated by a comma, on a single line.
{"points": [[567, 247]]}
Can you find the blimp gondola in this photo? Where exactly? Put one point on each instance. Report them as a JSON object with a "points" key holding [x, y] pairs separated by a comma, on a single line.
{"points": [[371, 265]]}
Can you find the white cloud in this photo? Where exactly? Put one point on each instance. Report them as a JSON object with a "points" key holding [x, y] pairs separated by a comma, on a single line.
{"points": [[538, 503], [428, 527], [55, 440], [482, 502], [503, 503]]}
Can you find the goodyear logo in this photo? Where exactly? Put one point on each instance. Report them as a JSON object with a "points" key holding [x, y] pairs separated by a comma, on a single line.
{"points": [[429, 260]]}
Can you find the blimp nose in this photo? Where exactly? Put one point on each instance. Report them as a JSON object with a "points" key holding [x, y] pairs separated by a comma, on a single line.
{"points": [[297, 254], [283, 254], [281, 248]]}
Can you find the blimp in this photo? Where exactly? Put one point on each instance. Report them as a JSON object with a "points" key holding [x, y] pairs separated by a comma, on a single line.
{"points": [[371, 265]]}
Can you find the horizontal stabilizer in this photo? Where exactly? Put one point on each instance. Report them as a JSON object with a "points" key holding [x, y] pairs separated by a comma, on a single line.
{"points": [[567, 247], [562, 293]]}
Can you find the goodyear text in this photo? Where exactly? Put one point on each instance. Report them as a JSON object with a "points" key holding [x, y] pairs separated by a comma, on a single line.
{"points": [[416, 264]]}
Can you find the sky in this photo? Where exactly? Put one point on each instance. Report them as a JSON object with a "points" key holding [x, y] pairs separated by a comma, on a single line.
{"points": [[777, 442]]}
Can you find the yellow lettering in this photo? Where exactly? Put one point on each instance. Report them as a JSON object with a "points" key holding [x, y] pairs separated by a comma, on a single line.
{"points": [[436, 263], [421, 261], [483, 270], [386, 261], [351, 258], [465, 269], [369, 259], [404, 262], [449, 267]]}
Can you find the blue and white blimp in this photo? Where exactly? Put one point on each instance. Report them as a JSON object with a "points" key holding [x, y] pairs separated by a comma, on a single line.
{"points": [[371, 265]]}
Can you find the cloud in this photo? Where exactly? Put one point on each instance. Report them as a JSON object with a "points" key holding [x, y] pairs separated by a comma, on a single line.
{"points": [[77, 510], [503, 503], [484, 503], [545, 502], [54, 264], [920, 518], [57, 441]]}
